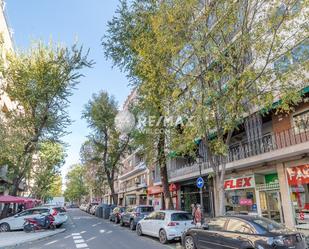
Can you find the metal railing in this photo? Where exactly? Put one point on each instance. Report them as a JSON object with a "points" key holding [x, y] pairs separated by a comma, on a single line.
{"points": [[244, 149]]}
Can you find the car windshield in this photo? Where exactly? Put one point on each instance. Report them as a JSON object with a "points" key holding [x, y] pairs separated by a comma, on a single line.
{"points": [[146, 209], [269, 225], [181, 216]]}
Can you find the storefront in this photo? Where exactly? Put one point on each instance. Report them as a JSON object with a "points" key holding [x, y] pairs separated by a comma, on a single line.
{"points": [[190, 194], [240, 195], [298, 181], [155, 196]]}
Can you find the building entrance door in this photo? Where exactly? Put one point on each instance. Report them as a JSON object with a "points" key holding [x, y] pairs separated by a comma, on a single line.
{"points": [[271, 205]]}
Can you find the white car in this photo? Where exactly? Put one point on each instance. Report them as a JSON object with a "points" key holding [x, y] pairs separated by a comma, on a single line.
{"points": [[17, 221], [165, 225]]}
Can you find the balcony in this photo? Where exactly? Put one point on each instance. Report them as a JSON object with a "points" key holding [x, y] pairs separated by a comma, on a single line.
{"points": [[243, 150]]}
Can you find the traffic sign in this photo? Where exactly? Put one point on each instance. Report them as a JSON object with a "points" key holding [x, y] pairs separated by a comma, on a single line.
{"points": [[200, 182]]}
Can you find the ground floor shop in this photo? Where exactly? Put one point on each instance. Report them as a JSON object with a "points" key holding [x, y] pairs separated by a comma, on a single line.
{"points": [[132, 198], [278, 191], [156, 198]]}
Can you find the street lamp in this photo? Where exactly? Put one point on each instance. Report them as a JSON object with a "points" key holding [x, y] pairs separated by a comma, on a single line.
{"points": [[199, 160]]}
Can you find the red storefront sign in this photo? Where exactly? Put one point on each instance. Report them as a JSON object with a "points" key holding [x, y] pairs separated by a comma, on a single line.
{"points": [[153, 190], [239, 183], [245, 202], [298, 175]]}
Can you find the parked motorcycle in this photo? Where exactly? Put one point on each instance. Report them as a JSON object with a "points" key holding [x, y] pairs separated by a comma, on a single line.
{"points": [[39, 223]]}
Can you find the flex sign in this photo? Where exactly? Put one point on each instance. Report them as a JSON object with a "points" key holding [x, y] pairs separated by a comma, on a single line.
{"points": [[239, 183]]}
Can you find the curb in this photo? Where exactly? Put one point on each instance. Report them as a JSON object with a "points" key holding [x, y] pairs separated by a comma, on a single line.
{"points": [[33, 239]]}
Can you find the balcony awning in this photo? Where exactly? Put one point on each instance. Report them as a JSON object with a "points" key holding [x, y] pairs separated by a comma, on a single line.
{"points": [[13, 199]]}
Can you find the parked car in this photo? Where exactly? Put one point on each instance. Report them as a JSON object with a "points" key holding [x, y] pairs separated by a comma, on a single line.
{"points": [[17, 221], [83, 207], [93, 209], [244, 232], [133, 215], [165, 225], [116, 213], [90, 205]]}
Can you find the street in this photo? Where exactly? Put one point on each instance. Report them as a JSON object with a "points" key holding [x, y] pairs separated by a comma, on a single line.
{"points": [[86, 231]]}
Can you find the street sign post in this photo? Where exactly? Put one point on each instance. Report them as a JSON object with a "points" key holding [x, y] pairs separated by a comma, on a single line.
{"points": [[200, 182]]}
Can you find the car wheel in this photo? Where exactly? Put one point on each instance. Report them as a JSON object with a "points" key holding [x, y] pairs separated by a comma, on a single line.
{"points": [[5, 227], [121, 223], [59, 225], [163, 237], [189, 243], [139, 230], [132, 226]]}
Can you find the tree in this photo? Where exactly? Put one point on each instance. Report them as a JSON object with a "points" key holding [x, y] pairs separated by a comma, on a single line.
{"points": [[106, 145], [55, 187], [75, 183], [214, 63], [131, 43], [237, 58], [40, 81], [45, 173]]}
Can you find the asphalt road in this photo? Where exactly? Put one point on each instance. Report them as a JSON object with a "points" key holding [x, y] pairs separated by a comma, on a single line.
{"points": [[88, 232]]}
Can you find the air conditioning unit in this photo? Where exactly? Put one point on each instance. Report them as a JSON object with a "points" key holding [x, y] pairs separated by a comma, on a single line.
{"points": [[137, 180]]}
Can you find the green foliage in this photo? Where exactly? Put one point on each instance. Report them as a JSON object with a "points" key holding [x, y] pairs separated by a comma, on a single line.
{"points": [[75, 183], [40, 82], [105, 145], [45, 173]]}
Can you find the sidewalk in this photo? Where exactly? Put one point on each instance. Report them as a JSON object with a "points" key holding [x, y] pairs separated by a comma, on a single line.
{"points": [[11, 239]]}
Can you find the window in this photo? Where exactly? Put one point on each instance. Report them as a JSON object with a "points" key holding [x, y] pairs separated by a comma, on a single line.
{"points": [[152, 216], [269, 225], [145, 209], [181, 216], [301, 122], [301, 52], [160, 216], [239, 226], [217, 224], [282, 64]]}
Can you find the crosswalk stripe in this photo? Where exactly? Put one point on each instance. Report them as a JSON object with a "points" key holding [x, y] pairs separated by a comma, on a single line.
{"points": [[77, 237], [79, 241], [84, 245], [73, 234]]}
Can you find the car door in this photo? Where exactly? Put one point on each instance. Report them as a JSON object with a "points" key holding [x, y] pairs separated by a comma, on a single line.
{"points": [[147, 223], [19, 219], [237, 233], [157, 223], [128, 214], [211, 238]]}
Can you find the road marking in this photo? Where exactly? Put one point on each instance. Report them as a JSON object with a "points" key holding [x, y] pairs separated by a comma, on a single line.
{"points": [[109, 231], [79, 241], [92, 238], [75, 234], [97, 224], [102, 231], [52, 242], [84, 245], [77, 237], [83, 232], [67, 236]]}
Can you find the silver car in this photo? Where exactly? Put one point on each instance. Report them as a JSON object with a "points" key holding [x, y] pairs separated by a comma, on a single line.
{"points": [[165, 225], [17, 221]]}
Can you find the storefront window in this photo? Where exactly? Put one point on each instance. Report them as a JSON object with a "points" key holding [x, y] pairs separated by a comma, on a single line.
{"points": [[298, 180], [240, 195], [240, 201]]}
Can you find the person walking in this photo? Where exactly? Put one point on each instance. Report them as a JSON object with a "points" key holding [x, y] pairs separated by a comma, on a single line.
{"points": [[193, 211], [198, 216]]}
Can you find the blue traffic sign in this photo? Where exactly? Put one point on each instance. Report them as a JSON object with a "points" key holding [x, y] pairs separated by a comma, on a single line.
{"points": [[200, 182]]}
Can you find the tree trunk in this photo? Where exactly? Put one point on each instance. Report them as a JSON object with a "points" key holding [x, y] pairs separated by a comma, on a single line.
{"points": [[168, 202], [110, 182], [220, 188]]}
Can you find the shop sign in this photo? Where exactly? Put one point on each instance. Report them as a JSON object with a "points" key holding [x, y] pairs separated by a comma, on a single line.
{"points": [[298, 175], [154, 190], [239, 183], [245, 202], [173, 187]]}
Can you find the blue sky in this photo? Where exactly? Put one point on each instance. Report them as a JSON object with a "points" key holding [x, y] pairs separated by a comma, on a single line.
{"points": [[65, 21]]}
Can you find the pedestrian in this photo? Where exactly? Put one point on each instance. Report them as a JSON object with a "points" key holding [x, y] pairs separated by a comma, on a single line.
{"points": [[193, 211], [198, 216]]}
